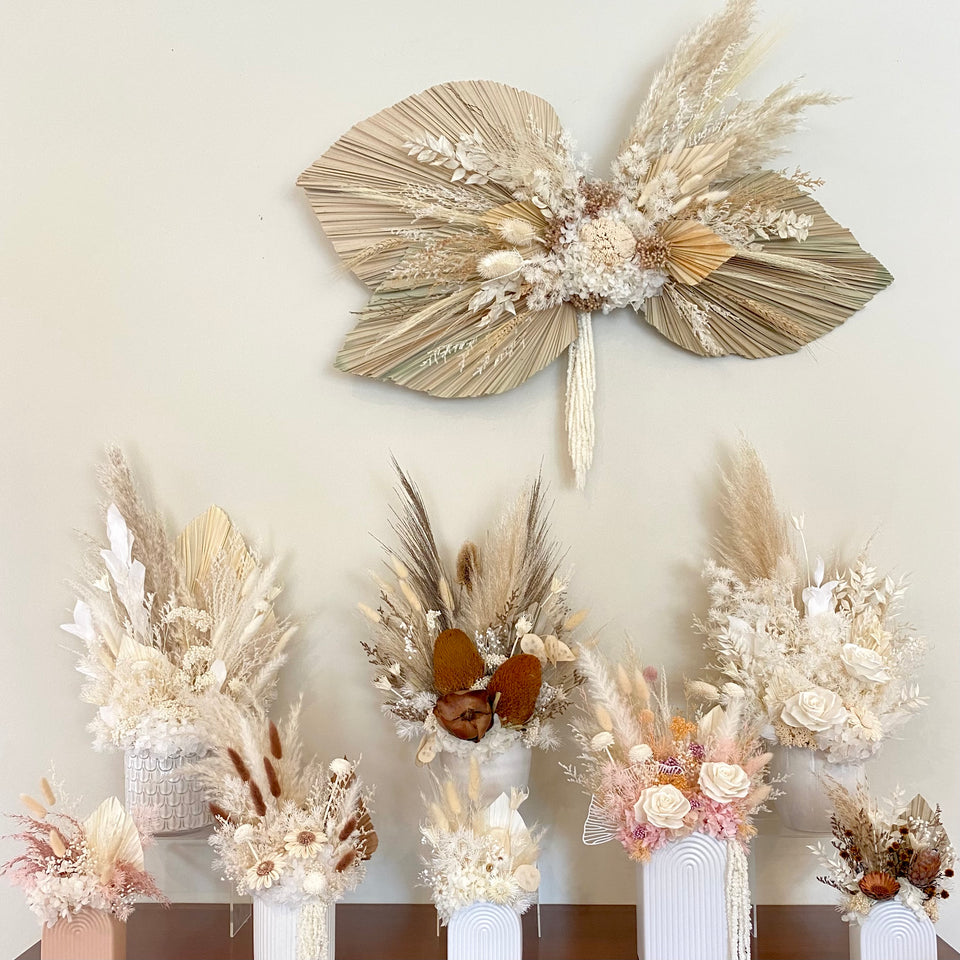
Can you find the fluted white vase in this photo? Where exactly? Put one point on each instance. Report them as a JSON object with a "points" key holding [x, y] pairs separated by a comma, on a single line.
{"points": [[497, 774], [277, 933], [172, 801], [484, 931], [681, 901], [803, 806], [892, 931]]}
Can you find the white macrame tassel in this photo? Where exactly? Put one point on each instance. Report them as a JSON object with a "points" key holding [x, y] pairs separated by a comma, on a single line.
{"points": [[581, 383], [313, 939], [738, 902]]}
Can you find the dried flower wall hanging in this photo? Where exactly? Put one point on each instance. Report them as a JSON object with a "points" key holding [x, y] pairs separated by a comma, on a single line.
{"points": [[477, 657], [488, 244]]}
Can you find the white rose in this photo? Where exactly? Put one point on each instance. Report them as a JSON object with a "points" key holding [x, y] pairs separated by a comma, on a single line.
{"points": [[816, 710], [724, 782], [663, 806], [863, 663]]}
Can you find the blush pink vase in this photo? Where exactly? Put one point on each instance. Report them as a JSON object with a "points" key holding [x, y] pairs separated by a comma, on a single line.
{"points": [[87, 935]]}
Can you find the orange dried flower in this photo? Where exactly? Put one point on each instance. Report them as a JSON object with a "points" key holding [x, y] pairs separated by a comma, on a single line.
{"points": [[647, 717], [682, 728], [678, 780], [456, 663], [879, 886], [518, 681]]}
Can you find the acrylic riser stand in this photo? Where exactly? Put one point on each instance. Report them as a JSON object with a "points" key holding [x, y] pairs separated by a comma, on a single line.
{"points": [[276, 931], [681, 901], [484, 931], [88, 935], [803, 806], [174, 803], [893, 931]]}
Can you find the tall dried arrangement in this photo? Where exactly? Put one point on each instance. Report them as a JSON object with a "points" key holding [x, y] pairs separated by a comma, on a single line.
{"points": [[488, 244], [70, 864], [883, 850], [167, 623], [827, 660], [477, 656]]}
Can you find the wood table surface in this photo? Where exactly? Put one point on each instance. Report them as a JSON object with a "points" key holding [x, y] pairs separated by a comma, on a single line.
{"points": [[407, 931]]}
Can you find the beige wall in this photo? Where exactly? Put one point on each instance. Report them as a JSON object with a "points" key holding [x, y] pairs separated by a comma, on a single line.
{"points": [[165, 285]]}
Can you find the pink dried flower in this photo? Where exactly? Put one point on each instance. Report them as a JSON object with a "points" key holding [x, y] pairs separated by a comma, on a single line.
{"points": [[720, 820], [650, 674]]}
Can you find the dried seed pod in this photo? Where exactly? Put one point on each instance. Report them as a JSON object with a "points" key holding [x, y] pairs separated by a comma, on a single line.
{"points": [[457, 665], [924, 868], [348, 828], [272, 779], [468, 565], [517, 681], [257, 797], [346, 860], [276, 747], [468, 715], [238, 764]]}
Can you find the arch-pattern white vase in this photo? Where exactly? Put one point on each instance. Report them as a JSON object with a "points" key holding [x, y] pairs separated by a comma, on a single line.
{"points": [[484, 931], [681, 901], [893, 931], [87, 934], [497, 775], [176, 803], [803, 807], [276, 928]]}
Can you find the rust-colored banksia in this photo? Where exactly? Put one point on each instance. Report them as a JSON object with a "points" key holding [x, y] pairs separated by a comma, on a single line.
{"points": [[518, 681], [456, 663]]}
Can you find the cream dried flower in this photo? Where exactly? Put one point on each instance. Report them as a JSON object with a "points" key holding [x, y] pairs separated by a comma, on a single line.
{"points": [[303, 844], [608, 241], [265, 873], [500, 263]]}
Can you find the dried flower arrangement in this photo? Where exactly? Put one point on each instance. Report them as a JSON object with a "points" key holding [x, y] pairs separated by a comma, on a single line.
{"points": [[70, 864], [827, 661], [655, 776], [477, 661], [881, 851], [292, 830], [488, 244], [478, 852], [166, 622]]}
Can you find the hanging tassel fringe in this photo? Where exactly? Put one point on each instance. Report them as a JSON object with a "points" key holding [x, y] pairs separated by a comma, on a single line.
{"points": [[313, 937], [738, 902], [581, 383]]}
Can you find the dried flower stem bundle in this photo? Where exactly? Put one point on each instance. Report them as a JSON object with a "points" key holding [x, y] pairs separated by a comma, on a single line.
{"points": [[477, 656], [167, 623], [827, 661]]}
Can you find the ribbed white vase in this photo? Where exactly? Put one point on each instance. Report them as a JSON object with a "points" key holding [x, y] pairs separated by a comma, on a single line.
{"points": [[484, 931], [157, 785], [893, 931], [803, 806], [497, 775], [277, 931], [681, 901]]}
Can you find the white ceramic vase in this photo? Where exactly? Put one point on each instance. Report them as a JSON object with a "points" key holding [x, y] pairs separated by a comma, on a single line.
{"points": [[176, 803], [497, 775], [804, 807], [277, 930], [484, 931], [892, 931], [681, 901]]}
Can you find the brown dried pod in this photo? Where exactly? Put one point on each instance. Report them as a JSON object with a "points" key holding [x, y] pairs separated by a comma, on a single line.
{"points": [[217, 811], [518, 681], [924, 868], [468, 565], [272, 777], [348, 828], [238, 764], [466, 714], [257, 797], [276, 747], [879, 886], [456, 663]]}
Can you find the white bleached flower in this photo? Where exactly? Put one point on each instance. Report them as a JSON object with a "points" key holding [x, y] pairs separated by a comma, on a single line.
{"points": [[523, 626], [724, 782], [663, 805], [264, 873], [816, 710], [863, 663], [303, 844], [640, 753], [315, 884], [340, 767], [516, 231], [608, 241], [601, 741], [500, 263], [244, 833]]}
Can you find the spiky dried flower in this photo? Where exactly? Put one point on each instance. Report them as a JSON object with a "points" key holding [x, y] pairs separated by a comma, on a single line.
{"points": [[879, 885]]}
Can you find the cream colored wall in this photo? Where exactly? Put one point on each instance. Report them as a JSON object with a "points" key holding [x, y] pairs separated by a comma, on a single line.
{"points": [[165, 285]]}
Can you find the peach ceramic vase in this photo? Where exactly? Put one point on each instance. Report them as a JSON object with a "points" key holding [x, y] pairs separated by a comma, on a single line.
{"points": [[86, 935]]}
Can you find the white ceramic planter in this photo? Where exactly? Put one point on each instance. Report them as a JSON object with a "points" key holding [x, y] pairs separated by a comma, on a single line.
{"points": [[176, 803], [484, 931], [804, 807], [892, 931], [497, 775], [277, 930], [681, 901]]}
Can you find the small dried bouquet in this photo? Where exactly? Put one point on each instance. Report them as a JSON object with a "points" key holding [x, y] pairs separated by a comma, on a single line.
{"points": [[165, 622], [290, 830], [69, 864], [479, 853], [655, 775], [827, 660], [477, 659], [881, 851]]}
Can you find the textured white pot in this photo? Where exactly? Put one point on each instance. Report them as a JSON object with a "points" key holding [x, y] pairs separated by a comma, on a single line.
{"points": [[497, 775], [176, 803], [276, 928], [681, 902], [892, 931], [804, 807], [484, 931]]}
